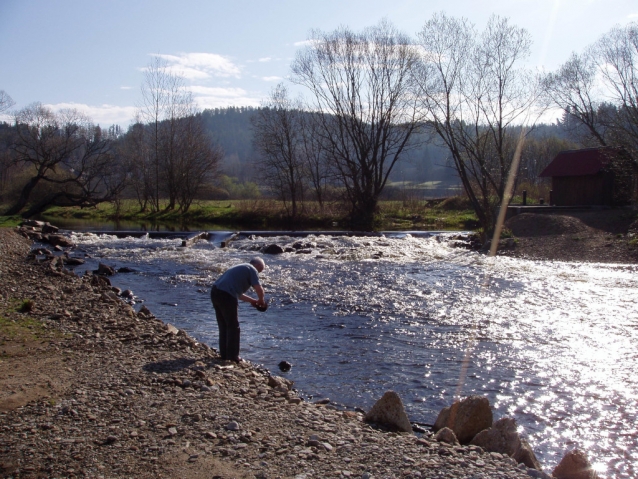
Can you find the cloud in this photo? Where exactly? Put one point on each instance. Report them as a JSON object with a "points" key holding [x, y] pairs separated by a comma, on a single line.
{"points": [[199, 66], [273, 78], [103, 115], [265, 59], [126, 88], [304, 43], [633, 16], [219, 97]]}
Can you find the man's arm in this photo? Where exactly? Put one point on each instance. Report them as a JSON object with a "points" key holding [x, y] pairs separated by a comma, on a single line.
{"points": [[255, 302]]}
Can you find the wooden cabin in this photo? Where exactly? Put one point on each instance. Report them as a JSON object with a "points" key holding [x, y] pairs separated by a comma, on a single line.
{"points": [[593, 176]]}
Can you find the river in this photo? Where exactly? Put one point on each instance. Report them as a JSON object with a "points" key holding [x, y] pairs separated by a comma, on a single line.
{"points": [[551, 344]]}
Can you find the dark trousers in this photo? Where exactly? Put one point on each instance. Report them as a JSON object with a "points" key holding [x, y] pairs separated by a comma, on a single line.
{"points": [[226, 312]]}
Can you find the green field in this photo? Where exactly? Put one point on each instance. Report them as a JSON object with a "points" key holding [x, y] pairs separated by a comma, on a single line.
{"points": [[271, 214]]}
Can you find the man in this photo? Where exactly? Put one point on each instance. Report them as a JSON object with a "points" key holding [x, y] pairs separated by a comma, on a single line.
{"points": [[225, 295]]}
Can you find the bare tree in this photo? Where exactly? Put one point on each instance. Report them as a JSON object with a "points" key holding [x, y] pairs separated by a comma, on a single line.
{"points": [[279, 138], [476, 97], [176, 147], [360, 88], [317, 165], [598, 90], [6, 102], [573, 88], [66, 150], [197, 160]]}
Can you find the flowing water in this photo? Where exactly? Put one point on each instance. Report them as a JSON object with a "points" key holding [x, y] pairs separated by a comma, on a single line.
{"points": [[553, 345]]}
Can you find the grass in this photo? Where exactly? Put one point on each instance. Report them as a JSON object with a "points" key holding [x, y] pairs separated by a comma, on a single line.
{"points": [[17, 326], [267, 213], [10, 221]]}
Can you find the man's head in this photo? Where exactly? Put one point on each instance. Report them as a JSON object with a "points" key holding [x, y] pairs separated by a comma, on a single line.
{"points": [[258, 263]]}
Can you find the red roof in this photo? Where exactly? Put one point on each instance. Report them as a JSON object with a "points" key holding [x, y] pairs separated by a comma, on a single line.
{"points": [[587, 161]]}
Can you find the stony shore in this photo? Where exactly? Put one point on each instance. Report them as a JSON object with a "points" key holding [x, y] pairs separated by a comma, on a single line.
{"points": [[90, 388]]}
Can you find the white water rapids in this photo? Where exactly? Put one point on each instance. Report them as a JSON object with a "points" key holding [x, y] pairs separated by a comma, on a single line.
{"points": [[551, 344]]}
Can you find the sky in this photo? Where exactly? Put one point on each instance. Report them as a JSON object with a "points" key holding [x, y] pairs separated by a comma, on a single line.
{"points": [[91, 55]]}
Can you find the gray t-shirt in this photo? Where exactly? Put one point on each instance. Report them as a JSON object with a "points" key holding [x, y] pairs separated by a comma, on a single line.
{"points": [[238, 279]]}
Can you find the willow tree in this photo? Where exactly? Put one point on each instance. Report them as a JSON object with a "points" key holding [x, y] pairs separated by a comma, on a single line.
{"points": [[360, 88], [477, 96]]}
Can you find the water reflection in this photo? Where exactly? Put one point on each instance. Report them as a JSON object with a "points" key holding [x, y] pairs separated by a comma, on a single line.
{"points": [[551, 344]]}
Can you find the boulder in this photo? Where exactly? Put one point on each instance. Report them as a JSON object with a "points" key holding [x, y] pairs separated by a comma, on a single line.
{"points": [[466, 418], [59, 240], [446, 435], [104, 270], [390, 412], [503, 438], [33, 223], [273, 249], [279, 382], [574, 465], [100, 281], [48, 228], [73, 261], [285, 366], [144, 312]]}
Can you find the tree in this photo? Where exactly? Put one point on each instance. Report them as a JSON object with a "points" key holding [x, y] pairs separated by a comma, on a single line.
{"points": [[6, 102], [598, 90], [279, 139], [196, 160], [66, 150], [360, 88], [175, 156], [317, 167], [573, 88], [476, 98]]}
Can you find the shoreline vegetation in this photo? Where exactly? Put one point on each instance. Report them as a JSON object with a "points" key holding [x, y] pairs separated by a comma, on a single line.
{"points": [[453, 213]]}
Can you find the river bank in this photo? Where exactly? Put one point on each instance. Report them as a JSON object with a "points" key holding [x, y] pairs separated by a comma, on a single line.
{"points": [[592, 236], [92, 389], [266, 214]]}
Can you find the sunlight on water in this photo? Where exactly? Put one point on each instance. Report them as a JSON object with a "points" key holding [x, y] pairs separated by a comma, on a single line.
{"points": [[551, 344]]}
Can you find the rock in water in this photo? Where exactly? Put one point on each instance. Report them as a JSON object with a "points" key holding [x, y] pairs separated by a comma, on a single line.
{"points": [[273, 249], [390, 412], [285, 366], [466, 418], [574, 465], [59, 240], [104, 270], [504, 438]]}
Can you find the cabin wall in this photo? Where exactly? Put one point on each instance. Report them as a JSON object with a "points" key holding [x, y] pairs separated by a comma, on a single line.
{"points": [[587, 190]]}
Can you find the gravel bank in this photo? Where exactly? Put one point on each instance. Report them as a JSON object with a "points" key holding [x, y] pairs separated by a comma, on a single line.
{"points": [[90, 388]]}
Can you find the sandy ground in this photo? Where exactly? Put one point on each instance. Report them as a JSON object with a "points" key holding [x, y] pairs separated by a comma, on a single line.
{"points": [[597, 236]]}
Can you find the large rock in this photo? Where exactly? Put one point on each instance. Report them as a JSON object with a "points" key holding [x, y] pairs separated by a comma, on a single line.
{"points": [[104, 270], [273, 249], [390, 412], [33, 223], [574, 465], [60, 240], [49, 228], [466, 418], [503, 438], [446, 435]]}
